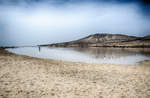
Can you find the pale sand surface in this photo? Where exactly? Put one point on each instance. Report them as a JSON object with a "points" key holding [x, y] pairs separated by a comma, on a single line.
{"points": [[27, 77]]}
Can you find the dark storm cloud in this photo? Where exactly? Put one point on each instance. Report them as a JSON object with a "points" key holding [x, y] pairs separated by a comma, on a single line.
{"points": [[32, 22], [144, 4], [16, 1]]}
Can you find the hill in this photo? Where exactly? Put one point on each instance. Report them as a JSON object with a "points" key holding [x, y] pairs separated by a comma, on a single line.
{"points": [[107, 40]]}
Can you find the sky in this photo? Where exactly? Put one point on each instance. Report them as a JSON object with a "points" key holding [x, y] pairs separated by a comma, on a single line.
{"points": [[35, 22]]}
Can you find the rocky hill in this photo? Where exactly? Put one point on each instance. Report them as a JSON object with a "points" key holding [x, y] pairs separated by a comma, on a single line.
{"points": [[107, 40]]}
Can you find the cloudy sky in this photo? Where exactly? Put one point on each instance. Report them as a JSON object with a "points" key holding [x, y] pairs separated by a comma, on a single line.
{"points": [[34, 22]]}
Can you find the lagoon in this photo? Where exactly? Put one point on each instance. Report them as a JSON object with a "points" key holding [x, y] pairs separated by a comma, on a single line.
{"points": [[97, 55]]}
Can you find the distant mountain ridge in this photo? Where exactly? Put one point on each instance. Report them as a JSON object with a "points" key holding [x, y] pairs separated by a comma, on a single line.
{"points": [[107, 40]]}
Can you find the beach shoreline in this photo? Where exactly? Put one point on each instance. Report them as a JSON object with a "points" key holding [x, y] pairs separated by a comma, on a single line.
{"points": [[28, 77]]}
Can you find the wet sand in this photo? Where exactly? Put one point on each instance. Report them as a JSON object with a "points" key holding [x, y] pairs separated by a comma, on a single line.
{"points": [[28, 77]]}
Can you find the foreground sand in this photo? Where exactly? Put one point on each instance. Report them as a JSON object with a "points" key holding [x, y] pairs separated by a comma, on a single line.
{"points": [[27, 77]]}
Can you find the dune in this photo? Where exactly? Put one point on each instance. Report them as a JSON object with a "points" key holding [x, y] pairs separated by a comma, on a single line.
{"points": [[107, 40], [28, 77]]}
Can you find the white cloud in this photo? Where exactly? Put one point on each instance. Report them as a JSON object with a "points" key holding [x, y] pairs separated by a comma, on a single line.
{"points": [[42, 23]]}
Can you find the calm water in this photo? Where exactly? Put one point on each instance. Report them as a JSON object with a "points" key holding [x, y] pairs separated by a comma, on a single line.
{"points": [[89, 55]]}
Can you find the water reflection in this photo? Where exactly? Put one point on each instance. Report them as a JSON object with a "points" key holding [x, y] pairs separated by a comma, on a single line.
{"points": [[108, 52], [89, 55]]}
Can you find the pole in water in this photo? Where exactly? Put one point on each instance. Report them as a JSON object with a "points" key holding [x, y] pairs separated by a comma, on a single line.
{"points": [[39, 48]]}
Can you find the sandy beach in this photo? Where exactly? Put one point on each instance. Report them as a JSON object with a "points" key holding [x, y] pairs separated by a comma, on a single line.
{"points": [[28, 77]]}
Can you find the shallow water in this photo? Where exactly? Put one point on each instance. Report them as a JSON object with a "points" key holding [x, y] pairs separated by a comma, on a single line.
{"points": [[89, 55]]}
